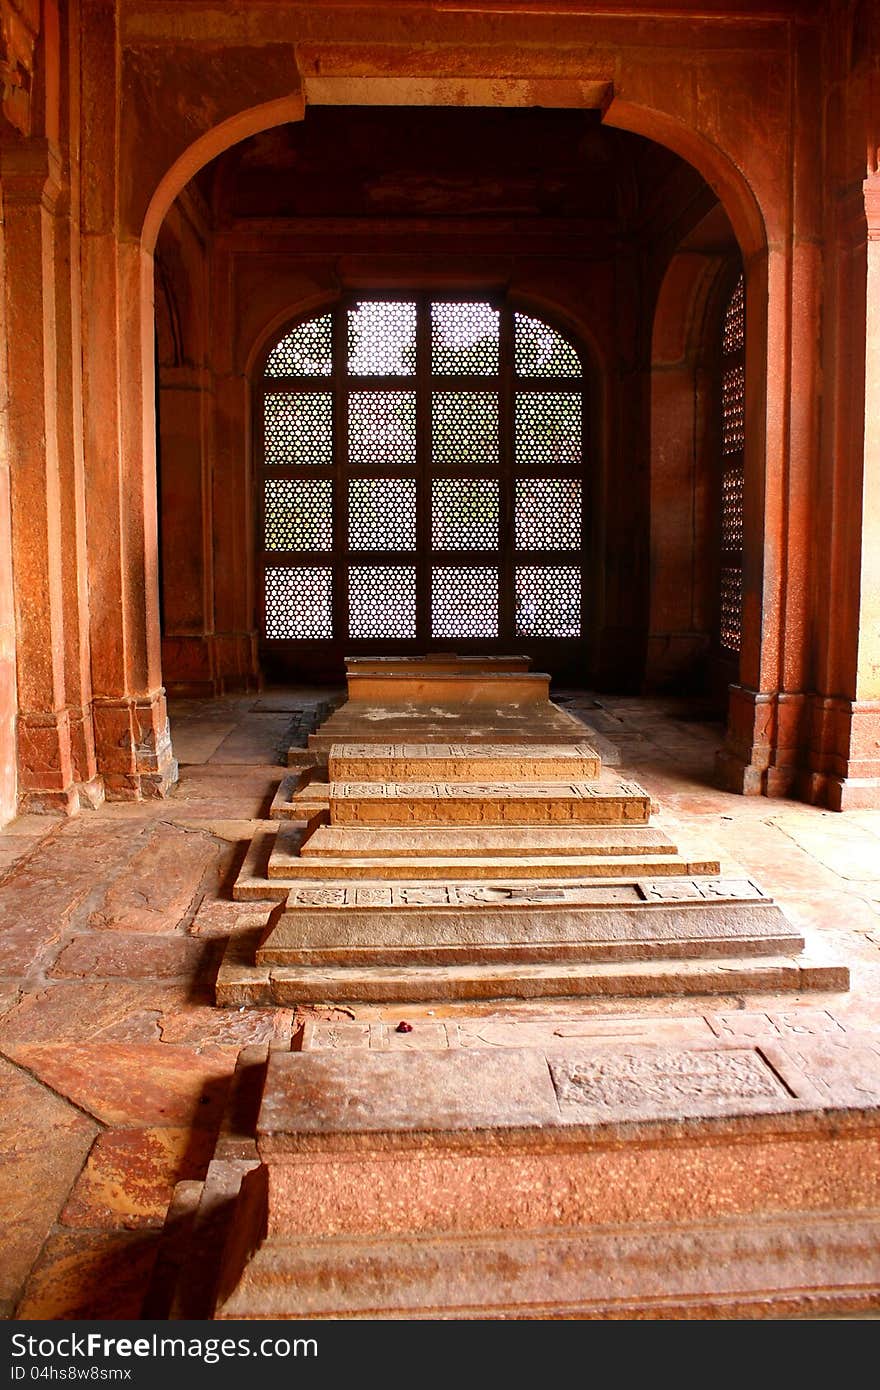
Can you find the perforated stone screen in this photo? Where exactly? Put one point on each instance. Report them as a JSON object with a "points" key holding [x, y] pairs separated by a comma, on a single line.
{"points": [[422, 479], [732, 471]]}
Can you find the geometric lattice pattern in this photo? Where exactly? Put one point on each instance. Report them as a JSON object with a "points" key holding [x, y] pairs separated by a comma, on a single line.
{"points": [[732, 509], [540, 351], [382, 338], [464, 427], [548, 514], [298, 514], [464, 601], [464, 513], [464, 339], [382, 427], [548, 601], [382, 601], [381, 513], [730, 624], [548, 427], [733, 419], [733, 409], [733, 334], [307, 350], [446, 428], [299, 602], [298, 427]]}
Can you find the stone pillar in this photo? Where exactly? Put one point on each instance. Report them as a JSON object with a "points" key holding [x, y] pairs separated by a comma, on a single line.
{"points": [[131, 724], [30, 174], [185, 405], [764, 751], [8, 695]]}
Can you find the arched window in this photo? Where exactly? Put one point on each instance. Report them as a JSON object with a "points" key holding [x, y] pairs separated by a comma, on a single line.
{"points": [[421, 484], [733, 413]]}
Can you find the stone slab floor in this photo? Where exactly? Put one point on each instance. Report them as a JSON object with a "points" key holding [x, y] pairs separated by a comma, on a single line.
{"points": [[114, 1064]]}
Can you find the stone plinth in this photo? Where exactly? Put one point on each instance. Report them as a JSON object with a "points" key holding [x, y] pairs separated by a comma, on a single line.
{"points": [[446, 663], [607, 801], [450, 762], [498, 841], [590, 1179], [457, 687]]}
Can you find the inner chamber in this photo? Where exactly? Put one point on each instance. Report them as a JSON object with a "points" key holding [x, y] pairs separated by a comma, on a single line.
{"points": [[414, 387]]}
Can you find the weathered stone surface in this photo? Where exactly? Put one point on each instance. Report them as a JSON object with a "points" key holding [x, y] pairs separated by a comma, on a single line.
{"points": [[160, 884], [205, 1028], [441, 687], [43, 1144], [482, 841], [132, 957], [147, 1084], [82, 1275], [748, 1268], [609, 800], [222, 916], [490, 936], [291, 868], [331, 1102], [548, 894], [312, 1099], [289, 861], [299, 798], [130, 1176], [252, 882], [730, 1145], [377, 984], [445, 762], [448, 662], [40, 898], [401, 722], [106, 1011]]}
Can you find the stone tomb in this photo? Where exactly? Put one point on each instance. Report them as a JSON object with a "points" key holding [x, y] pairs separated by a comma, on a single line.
{"points": [[669, 1173], [486, 868]]}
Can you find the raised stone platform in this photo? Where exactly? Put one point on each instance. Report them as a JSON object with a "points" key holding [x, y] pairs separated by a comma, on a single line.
{"points": [[403, 721], [607, 801], [438, 687], [499, 842], [673, 1173], [533, 873], [446, 663], [445, 762]]}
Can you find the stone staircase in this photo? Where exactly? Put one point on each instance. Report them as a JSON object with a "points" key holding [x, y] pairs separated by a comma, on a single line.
{"points": [[421, 870]]}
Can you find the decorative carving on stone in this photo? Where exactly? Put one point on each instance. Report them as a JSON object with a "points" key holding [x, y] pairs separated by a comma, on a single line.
{"points": [[19, 26], [690, 890], [615, 1081]]}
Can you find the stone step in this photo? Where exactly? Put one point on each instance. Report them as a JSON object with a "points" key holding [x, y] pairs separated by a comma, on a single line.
{"points": [[403, 722], [456, 762], [299, 797], [607, 801], [445, 662], [481, 841], [819, 1265], [438, 687], [292, 867], [287, 862], [495, 937], [374, 897], [288, 985]]}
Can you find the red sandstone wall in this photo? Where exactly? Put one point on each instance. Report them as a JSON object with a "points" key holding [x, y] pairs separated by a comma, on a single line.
{"points": [[8, 701], [780, 111]]}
